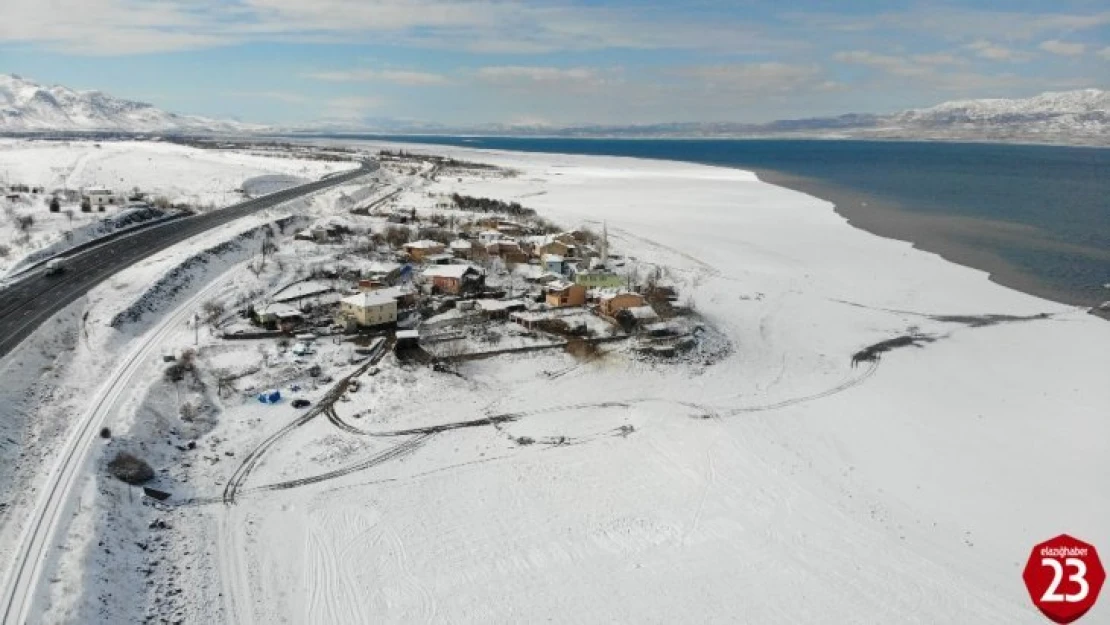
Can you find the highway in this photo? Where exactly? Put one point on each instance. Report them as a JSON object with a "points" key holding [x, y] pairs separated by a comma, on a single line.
{"points": [[29, 302]]}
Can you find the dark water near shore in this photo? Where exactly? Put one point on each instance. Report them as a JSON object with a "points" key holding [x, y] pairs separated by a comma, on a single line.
{"points": [[1036, 217]]}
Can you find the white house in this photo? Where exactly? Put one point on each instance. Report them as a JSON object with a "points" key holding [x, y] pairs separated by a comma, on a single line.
{"points": [[372, 308], [489, 236], [99, 196], [552, 263]]}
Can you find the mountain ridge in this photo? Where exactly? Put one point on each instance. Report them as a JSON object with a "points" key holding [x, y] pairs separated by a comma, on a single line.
{"points": [[27, 106], [1077, 117]]}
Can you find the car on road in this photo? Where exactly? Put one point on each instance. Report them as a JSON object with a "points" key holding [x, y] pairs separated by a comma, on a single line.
{"points": [[55, 266], [301, 403]]}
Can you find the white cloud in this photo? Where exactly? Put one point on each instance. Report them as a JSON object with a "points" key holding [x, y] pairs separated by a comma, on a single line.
{"points": [[772, 78], [912, 71], [897, 65], [400, 77], [351, 107], [491, 26], [939, 58], [1063, 48], [277, 96], [994, 52], [957, 23]]}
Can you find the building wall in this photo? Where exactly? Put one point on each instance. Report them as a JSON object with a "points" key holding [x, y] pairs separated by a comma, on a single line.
{"points": [[420, 253], [371, 315], [610, 307], [595, 280], [446, 285], [574, 296]]}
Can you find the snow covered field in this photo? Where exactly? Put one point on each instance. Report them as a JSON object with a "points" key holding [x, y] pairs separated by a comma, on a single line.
{"points": [[782, 484], [180, 174]]}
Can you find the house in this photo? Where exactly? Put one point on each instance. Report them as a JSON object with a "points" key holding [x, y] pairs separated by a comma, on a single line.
{"points": [[511, 228], [486, 237], [454, 279], [612, 303], [555, 247], [563, 293], [369, 309], [552, 263], [509, 251], [461, 248], [445, 258], [99, 196], [384, 272], [598, 278], [419, 250], [638, 316], [277, 315], [404, 295]]}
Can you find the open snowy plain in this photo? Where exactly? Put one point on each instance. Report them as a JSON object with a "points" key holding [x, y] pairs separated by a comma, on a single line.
{"points": [[781, 484], [200, 179]]}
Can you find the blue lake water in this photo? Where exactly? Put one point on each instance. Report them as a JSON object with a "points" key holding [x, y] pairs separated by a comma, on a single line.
{"points": [[1042, 211]]}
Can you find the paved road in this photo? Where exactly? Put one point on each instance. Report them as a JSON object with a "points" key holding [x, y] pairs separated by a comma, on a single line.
{"points": [[28, 303]]}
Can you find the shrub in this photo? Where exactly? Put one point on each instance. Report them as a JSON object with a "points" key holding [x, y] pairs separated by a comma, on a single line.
{"points": [[130, 469], [395, 236]]}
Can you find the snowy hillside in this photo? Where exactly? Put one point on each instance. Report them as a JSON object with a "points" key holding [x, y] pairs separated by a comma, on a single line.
{"points": [[26, 106]]}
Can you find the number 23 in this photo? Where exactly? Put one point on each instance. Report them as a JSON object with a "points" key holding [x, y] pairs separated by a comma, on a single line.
{"points": [[1079, 577]]}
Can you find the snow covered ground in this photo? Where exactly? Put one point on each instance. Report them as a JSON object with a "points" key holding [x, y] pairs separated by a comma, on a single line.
{"points": [[781, 484], [200, 178]]}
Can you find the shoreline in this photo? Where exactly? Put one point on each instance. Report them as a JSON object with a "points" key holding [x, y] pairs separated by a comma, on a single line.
{"points": [[931, 233]]}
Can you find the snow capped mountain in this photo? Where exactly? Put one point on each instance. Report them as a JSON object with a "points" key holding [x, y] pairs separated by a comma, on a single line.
{"points": [[26, 106], [1085, 111]]}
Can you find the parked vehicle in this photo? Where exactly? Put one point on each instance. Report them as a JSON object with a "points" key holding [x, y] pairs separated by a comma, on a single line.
{"points": [[301, 403]]}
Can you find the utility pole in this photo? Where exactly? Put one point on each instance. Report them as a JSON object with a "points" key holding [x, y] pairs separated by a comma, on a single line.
{"points": [[604, 244]]}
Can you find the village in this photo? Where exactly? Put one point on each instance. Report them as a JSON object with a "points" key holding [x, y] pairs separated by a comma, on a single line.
{"points": [[458, 278]]}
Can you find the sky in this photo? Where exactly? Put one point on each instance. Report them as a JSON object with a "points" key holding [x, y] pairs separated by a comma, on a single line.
{"points": [[557, 62]]}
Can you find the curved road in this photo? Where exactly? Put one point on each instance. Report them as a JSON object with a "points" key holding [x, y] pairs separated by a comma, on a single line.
{"points": [[32, 300]]}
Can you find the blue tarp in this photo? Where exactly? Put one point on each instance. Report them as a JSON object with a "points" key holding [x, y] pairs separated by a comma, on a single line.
{"points": [[272, 397]]}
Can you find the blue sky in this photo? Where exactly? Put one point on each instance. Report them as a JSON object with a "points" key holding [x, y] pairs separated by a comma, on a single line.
{"points": [[554, 61]]}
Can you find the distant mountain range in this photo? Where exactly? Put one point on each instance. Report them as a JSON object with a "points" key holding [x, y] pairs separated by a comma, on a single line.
{"points": [[1079, 117], [26, 106]]}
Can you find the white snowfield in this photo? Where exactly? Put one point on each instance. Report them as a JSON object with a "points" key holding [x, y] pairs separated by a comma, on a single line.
{"points": [[779, 485], [181, 174]]}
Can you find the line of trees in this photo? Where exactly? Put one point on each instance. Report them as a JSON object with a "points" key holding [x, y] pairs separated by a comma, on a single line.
{"points": [[490, 205]]}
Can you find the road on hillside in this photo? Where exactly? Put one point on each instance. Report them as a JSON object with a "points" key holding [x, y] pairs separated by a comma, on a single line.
{"points": [[32, 300], [29, 302]]}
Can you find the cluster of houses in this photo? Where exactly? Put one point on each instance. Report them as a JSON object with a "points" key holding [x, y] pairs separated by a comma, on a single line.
{"points": [[93, 197], [421, 279]]}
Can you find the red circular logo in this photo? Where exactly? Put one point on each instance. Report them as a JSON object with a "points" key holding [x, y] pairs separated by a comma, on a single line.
{"points": [[1063, 577]]}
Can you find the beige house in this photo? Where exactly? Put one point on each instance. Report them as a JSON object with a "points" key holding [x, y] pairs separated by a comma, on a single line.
{"points": [[612, 303], [419, 250], [562, 293], [372, 308]]}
